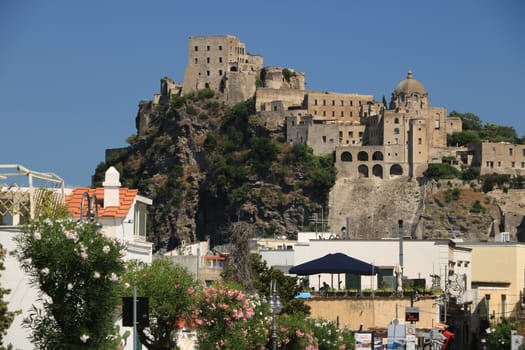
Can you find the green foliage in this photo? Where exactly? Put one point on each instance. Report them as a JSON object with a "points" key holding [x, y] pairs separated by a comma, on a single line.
{"points": [[499, 336], [177, 101], [477, 207], [287, 74], [191, 110], [385, 103], [474, 130], [6, 317], [470, 173], [496, 180], [439, 171], [463, 138], [517, 182], [227, 318], [171, 290], [297, 332], [470, 121], [131, 138], [452, 195], [76, 269], [205, 94], [288, 286]]}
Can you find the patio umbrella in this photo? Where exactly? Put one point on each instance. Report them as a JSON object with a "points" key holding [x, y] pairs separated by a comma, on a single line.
{"points": [[335, 263]]}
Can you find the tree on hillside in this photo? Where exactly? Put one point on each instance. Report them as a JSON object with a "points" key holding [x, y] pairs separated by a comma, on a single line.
{"points": [[470, 120], [463, 138], [238, 268], [6, 317], [171, 292], [76, 270]]}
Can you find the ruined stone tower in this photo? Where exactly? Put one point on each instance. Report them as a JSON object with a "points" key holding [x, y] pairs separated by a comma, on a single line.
{"points": [[221, 63]]}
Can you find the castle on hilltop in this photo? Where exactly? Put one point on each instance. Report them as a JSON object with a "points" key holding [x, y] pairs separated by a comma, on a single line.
{"points": [[369, 138]]}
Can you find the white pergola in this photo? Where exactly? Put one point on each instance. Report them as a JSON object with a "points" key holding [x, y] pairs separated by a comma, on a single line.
{"points": [[21, 190]]}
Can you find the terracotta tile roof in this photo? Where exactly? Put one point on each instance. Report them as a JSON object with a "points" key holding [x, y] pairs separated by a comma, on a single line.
{"points": [[74, 199]]}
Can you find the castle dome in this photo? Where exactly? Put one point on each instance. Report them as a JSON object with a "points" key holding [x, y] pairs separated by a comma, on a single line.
{"points": [[409, 86]]}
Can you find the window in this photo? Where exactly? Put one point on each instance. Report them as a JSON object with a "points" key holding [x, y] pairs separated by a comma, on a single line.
{"points": [[360, 134], [324, 113], [208, 73], [208, 48], [523, 164], [419, 141], [523, 151], [333, 113], [342, 103], [324, 102], [220, 47], [351, 103], [510, 151], [324, 139], [220, 71], [512, 164], [333, 102], [220, 59], [499, 163], [350, 114], [342, 114], [493, 151], [196, 60], [196, 48], [315, 102], [396, 121], [350, 134], [396, 131], [207, 60]]}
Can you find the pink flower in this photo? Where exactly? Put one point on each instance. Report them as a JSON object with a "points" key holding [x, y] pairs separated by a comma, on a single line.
{"points": [[191, 290]]}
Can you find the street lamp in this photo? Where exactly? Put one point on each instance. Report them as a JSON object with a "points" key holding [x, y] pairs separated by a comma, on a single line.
{"points": [[275, 307]]}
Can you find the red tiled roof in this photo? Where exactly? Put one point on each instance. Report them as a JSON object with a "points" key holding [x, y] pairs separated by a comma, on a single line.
{"points": [[74, 200]]}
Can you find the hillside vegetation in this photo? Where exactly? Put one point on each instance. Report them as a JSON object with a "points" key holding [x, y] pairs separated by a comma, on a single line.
{"points": [[206, 165]]}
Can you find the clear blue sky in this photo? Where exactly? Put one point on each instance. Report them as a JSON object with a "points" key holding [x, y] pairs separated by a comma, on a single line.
{"points": [[73, 72]]}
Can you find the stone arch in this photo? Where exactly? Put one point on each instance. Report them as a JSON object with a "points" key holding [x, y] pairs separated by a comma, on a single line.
{"points": [[378, 155], [396, 169], [362, 155], [377, 171], [363, 170], [346, 156]]}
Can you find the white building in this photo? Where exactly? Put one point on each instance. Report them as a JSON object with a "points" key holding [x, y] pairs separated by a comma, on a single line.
{"points": [[438, 262], [121, 211]]}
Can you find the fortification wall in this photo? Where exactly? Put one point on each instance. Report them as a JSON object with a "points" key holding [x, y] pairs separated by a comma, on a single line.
{"points": [[289, 97]]}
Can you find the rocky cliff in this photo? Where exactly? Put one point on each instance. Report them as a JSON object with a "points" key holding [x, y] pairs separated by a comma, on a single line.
{"points": [[206, 165]]}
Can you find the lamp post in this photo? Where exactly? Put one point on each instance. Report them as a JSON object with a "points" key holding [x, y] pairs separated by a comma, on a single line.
{"points": [[275, 307]]}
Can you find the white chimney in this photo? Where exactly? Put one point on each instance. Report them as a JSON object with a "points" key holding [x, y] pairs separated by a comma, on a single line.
{"points": [[111, 188]]}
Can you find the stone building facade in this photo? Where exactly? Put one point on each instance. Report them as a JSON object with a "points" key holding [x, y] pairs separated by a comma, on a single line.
{"points": [[221, 63], [400, 140], [502, 158]]}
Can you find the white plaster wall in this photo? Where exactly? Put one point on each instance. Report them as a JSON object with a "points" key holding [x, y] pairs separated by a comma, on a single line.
{"points": [[420, 258]]}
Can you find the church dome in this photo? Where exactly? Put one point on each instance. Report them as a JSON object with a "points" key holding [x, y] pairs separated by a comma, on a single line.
{"points": [[409, 86]]}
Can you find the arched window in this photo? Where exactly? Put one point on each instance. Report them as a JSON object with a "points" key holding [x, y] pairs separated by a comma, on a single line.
{"points": [[363, 170], [377, 155], [377, 171], [396, 169], [396, 121], [346, 157], [396, 131], [363, 156]]}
